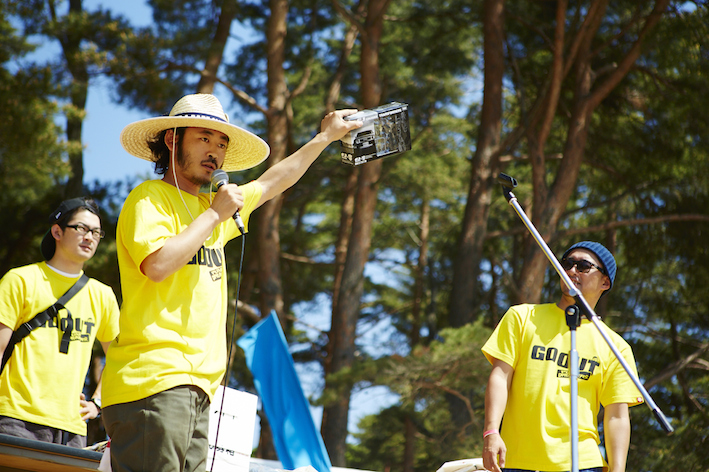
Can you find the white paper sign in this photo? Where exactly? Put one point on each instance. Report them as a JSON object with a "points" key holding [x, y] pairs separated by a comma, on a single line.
{"points": [[234, 440]]}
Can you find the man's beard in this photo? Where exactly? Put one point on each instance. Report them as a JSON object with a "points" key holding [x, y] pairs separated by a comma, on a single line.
{"points": [[182, 160]]}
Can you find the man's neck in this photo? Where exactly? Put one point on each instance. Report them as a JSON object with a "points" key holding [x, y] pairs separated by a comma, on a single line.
{"points": [[65, 268], [182, 184], [566, 301]]}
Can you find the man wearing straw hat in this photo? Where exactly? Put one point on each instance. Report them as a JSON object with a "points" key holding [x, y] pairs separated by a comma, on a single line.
{"points": [[170, 357]]}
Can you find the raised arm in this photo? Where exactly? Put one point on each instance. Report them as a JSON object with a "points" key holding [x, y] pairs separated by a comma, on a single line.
{"points": [[284, 174]]}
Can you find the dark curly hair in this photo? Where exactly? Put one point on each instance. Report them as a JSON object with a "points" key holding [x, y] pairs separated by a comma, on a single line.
{"points": [[161, 153]]}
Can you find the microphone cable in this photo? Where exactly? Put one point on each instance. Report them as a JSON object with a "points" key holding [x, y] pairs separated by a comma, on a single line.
{"points": [[231, 345]]}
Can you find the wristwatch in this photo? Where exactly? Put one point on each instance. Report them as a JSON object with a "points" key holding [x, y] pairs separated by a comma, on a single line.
{"points": [[97, 402]]}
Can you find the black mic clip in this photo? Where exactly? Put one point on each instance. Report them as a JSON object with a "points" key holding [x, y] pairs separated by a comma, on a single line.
{"points": [[573, 316], [508, 183]]}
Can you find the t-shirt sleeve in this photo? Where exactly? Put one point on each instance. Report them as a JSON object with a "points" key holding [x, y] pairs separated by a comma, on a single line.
{"points": [[11, 300], [155, 222], [503, 342], [618, 386], [109, 326]]}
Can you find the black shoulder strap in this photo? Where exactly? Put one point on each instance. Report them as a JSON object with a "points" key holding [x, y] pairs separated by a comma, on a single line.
{"points": [[26, 328]]}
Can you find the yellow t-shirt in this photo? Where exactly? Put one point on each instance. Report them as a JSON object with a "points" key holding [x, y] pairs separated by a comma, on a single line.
{"points": [[40, 384], [535, 340], [172, 332]]}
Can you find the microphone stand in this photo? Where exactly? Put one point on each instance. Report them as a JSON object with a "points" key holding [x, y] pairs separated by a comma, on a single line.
{"points": [[573, 320]]}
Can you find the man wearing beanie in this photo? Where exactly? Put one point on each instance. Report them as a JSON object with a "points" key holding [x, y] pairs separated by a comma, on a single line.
{"points": [[530, 380], [46, 352]]}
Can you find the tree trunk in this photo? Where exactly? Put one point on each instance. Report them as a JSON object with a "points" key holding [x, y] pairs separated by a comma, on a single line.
{"points": [[419, 281], [344, 323], [409, 444], [416, 323], [216, 49], [265, 448], [549, 207], [343, 235], [269, 247], [464, 293], [268, 216], [78, 92], [346, 312], [537, 137], [333, 93]]}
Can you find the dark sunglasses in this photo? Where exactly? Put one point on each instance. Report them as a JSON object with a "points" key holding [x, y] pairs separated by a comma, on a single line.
{"points": [[582, 265]]}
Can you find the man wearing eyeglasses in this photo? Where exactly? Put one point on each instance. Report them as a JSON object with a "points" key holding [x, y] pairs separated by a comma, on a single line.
{"points": [[41, 385], [530, 380]]}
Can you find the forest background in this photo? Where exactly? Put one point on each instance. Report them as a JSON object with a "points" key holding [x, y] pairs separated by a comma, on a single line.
{"points": [[598, 108]]}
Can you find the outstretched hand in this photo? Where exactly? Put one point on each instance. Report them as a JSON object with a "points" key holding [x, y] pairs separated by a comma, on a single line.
{"points": [[334, 126]]}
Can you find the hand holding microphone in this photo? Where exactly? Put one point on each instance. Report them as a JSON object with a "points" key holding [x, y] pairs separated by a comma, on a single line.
{"points": [[219, 178]]}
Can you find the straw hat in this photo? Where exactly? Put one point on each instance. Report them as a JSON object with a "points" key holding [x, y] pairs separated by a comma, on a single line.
{"points": [[201, 110]]}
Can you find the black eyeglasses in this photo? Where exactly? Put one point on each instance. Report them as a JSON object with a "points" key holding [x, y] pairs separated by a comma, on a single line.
{"points": [[582, 265], [97, 233]]}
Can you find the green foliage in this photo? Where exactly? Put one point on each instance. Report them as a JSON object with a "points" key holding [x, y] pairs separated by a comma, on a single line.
{"points": [[382, 447], [452, 364], [646, 166], [646, 160], [424, 380], [31, 150]]}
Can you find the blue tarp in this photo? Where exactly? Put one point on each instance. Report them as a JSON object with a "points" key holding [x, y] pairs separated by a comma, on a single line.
{"points": [[297, 440]]}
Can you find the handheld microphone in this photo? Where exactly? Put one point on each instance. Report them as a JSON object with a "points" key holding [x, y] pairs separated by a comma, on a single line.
{"points": [[219, 178]]}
